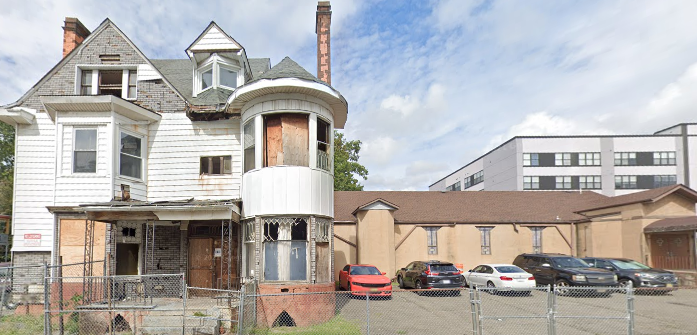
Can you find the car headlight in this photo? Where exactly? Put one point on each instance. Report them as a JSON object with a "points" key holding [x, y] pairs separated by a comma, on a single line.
{"points": [[578, 278], [644, 275], [614, 277]]}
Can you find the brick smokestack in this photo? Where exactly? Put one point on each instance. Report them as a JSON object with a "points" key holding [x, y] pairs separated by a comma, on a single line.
{"points": [[74, 32], [322, 24]]}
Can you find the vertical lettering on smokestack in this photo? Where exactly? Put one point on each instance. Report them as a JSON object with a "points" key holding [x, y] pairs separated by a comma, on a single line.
{"points": [[322, 24], [74, 32]]}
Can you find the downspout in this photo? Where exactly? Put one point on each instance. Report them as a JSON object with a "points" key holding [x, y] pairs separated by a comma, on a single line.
{"points": [[573, 239]]}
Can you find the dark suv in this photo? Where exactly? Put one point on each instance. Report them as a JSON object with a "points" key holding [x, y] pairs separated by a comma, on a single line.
{"points": [[429, 274], [638, 274], [563, 271]]}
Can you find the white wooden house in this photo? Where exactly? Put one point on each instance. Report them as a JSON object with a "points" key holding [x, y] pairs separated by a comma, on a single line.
{"points": [[218, 166]]}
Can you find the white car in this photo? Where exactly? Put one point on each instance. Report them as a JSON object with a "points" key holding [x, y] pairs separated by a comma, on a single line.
{"points": [[503, 276]]}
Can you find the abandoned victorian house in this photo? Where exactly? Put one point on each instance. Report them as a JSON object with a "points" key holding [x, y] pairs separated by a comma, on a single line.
{"points": [[218, 166]]}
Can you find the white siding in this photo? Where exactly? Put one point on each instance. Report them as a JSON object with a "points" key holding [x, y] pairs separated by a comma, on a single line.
{"points": [[214, 39], [175, 147], [147, 72], [138, 188], [288, 190], [34, 183]]}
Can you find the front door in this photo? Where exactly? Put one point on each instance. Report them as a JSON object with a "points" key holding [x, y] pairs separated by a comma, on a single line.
{"points": [[201, 264], [127, 259], [671, 251]]}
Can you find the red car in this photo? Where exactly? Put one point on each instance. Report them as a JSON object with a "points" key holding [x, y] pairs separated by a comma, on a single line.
{"points": [[362, 279]]}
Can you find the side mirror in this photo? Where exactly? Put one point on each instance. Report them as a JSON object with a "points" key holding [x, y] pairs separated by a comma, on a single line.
{"points": [[610, 268], [384, 273], [546, 265], [470, 270]]}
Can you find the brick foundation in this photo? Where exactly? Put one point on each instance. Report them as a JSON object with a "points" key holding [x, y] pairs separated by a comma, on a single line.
{"points": [[305, 309]]}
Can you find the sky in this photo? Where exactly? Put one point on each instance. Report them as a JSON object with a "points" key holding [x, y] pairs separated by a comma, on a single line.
{"points": [[431, 85]]}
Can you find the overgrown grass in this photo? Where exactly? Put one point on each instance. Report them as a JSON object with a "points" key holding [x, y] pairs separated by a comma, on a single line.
{"points": [[21, 325], [337, 325]]}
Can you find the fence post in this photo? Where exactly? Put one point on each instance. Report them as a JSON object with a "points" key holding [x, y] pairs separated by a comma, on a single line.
{"points": [[240, 311], [47, 303], [184, 294], [475, 317], [551, 310], [630, 308], [8, 277], [480, 324], [367, 308]]}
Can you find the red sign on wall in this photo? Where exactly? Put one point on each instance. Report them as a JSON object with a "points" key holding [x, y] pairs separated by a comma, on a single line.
{"points": [[32, 236]]}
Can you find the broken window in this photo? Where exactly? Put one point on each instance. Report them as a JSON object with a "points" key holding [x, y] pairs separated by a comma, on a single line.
{"points": [[85, 151], [111, 82], [285, 249], [130, 159], [286, 139], [323, 145], [132, 84], [249, 145], [218, 165], [322, 229]]}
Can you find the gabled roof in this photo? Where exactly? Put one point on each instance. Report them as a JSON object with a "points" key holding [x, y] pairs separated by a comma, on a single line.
{"points": [[489, 207], [102, 26], [213, 38], [379, 200], [652, 195], [288, 68]]}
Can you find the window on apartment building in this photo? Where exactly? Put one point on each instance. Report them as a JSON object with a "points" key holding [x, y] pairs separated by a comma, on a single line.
{"points": [[85, 151], [432, 240], [625, 158], [485, 236], [531, 183], [563, 182], [478, 178], [117, 82], [537, 239], [664, 158], [130, 158], [285, 248], [589, 159], [625, 182], [531, 159], [454, 187], [324, 157], [216, 165], [249, 145], [590, 182], [468, 182], [286, 139], [666, 180], [562, 159]]}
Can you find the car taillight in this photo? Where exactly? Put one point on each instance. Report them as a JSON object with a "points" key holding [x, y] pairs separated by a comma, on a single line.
{"points": [[531, 278], [459, 272], [505, 278], [428, 272]]}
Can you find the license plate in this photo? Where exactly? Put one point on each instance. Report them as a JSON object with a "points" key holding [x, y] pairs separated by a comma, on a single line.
{"points": [[602, 291], [373, 290], [669, 285], [445, 281], [521, 280]]}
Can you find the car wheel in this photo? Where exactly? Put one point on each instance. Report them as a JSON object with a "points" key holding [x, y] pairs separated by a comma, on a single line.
{"points": [[491, 287], [418, 286], [348, 287], [400, 281], [562, 287], [464, 282], [624, 284]]}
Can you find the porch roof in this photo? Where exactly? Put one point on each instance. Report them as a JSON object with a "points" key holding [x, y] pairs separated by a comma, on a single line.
{"points": [[672, 224]]}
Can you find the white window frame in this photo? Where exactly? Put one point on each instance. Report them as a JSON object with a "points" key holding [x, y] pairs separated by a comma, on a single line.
{"points": [[664, 158], [96, 150], [626, 182], [143, 150], [562, 159], [531, 182], [564, 181], [589, 159], [531, 159], [127, 71], [594, 181], [214, 63], [625, 159]]}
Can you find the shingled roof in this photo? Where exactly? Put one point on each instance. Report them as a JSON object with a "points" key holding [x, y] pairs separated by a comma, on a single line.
{"points": [[652, 195], [673, 224], [288, 68], [472, 207]]}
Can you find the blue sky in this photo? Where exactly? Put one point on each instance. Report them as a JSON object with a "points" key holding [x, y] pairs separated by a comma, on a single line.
{"points": [[431, 85]]}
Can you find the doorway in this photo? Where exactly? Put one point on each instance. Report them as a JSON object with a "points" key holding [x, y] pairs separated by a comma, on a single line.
{"points": [[672, 251], [127, 256]]}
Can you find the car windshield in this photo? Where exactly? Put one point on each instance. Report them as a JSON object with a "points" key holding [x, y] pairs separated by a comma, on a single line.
{"points": [[569, 262], [509, 269], [443, 268], [628, 265], [365, 270]]}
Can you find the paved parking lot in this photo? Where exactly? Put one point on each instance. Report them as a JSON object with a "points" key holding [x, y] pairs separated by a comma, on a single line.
{"points": [[409, 313]]}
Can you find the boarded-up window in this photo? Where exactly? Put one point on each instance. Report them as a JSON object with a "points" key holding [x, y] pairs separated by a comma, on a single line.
{"points": [[286, 140]]}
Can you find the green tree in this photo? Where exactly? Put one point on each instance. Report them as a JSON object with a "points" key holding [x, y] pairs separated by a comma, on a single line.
{"points": [[7, 163], [346, 166]]}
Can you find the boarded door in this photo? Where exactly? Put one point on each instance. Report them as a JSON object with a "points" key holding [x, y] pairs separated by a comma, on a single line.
{"points": [[671, 251], [201, 262]]}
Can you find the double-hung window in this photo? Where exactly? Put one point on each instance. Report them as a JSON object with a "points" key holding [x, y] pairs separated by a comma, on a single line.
{"points": [[324, 158], [589, 159], [85, 150], [562, 159], [563, 182], [531, 159], [130, 157], [249, 145], [531, 183], [478, 178], [664, 158], [625, 182], [664, 180], [625, 158], [590, 182], [454, 187]]}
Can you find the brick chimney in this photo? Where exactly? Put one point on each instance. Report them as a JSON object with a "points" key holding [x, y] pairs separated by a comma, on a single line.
{"points": [[324, 20], [74, 32]]}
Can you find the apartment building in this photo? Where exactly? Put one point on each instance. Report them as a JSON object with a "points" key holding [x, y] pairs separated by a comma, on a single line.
{"points": [[611, 165]]}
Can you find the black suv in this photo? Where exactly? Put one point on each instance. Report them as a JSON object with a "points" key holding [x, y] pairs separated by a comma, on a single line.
{"points": [[429, 274], [563, 271], [638, 274]]}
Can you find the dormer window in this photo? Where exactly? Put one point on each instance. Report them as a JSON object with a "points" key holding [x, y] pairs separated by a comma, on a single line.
{"points": [[216, 72]]}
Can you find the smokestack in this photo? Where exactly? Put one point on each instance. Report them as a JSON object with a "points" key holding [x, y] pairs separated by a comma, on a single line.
{"points": [[74, 32], [324, 20]]}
